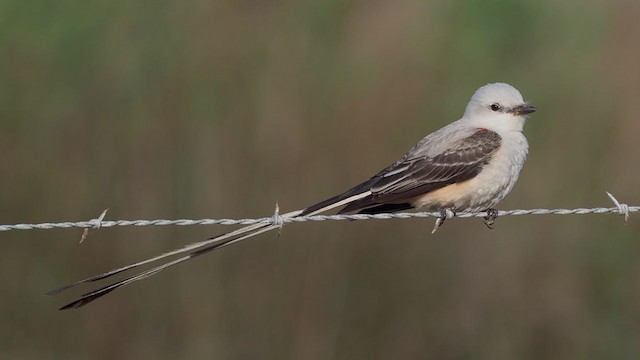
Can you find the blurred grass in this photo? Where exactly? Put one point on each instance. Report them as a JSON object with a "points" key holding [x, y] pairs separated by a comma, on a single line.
{"points": [[219, 109]]}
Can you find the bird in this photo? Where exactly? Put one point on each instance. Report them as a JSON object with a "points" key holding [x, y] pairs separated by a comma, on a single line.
{"points": [[470, 164]]}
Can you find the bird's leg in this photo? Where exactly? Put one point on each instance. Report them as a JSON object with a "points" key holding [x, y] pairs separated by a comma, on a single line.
{"points": [[445, 213], [490, 219]]}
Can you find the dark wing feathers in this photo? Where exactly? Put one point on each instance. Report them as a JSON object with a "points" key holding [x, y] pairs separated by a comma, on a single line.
{"points": [[411, 177]]}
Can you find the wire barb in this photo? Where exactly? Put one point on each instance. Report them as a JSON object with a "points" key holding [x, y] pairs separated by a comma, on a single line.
{"points": [[97, 224], [277, 220], [623, 209]]}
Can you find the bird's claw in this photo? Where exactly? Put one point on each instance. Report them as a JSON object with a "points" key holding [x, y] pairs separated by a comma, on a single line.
{"points": [[445, 213], [490, 219]]}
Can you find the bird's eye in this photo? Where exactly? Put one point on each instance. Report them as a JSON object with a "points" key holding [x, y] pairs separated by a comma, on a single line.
{"points": [[496, 107]]}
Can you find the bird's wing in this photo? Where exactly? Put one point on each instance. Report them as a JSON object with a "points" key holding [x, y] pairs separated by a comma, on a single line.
{"points": [[417, 175]]}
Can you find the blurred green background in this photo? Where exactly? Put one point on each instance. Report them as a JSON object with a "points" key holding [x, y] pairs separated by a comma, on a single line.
{"points": [[192, 109]]}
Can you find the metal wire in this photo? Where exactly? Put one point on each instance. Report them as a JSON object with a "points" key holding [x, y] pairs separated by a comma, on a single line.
{"points": [[276, 219]]}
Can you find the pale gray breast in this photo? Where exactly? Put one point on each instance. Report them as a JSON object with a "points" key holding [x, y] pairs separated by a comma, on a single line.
{"points": [[501, 174]]}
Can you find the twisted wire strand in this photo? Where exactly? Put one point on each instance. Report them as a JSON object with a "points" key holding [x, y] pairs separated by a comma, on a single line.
{"points": [[277, 219]]}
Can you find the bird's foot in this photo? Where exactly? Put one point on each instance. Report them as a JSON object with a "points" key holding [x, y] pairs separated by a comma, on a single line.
{"points": [[490, 219], [445, 213]]}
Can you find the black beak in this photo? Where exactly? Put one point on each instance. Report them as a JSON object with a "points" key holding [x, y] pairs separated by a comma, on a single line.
{"points": [[523, 109]]}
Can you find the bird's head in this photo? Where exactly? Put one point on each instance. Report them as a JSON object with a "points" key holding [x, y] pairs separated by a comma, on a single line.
{"points": [[498, 106]]}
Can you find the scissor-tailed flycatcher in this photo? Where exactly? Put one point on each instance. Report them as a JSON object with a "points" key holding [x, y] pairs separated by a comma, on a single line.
{"points": [[470, 164]]}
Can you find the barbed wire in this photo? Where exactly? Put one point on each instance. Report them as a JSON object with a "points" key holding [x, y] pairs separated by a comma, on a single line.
{"points": [[279, 220]]}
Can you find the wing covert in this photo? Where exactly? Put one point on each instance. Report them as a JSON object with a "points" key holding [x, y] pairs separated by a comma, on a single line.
{"points": [[413, 176]]}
